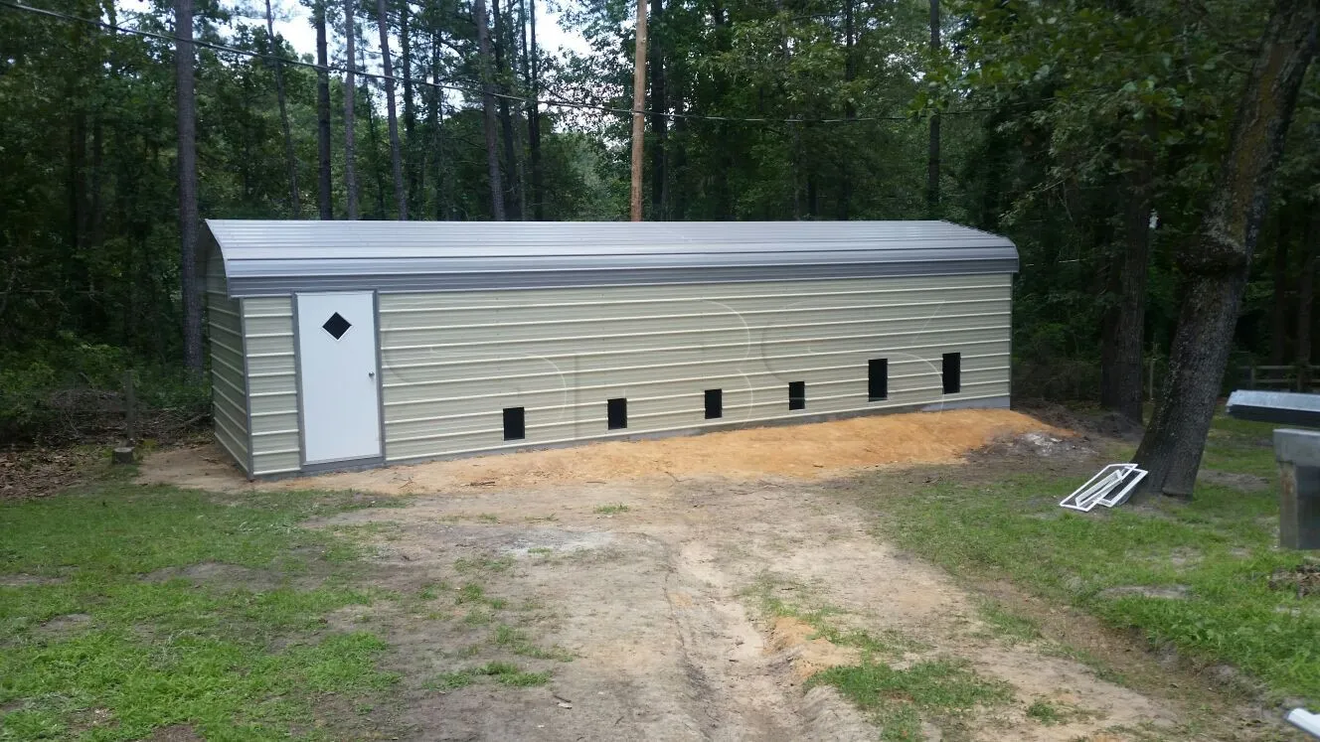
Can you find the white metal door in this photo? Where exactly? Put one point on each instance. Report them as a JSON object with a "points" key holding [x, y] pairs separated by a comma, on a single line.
{"points": [[337, 365]]}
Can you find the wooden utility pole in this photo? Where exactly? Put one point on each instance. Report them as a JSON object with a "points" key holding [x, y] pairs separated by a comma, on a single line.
{"points": [[639, 105], [933, 158]]}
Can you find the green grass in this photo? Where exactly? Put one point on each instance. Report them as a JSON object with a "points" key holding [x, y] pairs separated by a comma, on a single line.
{"points": [[240, 657], [1010, 626], [898, 698], [504, 673], [611, 509], [1219, 549], [1044, 712], [517, 642], [939, 690], [468, 566]]}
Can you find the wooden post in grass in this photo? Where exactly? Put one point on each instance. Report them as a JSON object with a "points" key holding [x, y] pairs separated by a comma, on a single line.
{"points": [[124, 454]]}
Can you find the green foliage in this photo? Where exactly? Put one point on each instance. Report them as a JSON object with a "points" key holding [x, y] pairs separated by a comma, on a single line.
{"points": [[66, 388], [504, 673], [1192, 575], [942, 688], [791, 110], [155, 606]]}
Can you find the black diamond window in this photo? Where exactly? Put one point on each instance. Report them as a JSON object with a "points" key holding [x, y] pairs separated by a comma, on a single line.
{"points": [[336, 326]]}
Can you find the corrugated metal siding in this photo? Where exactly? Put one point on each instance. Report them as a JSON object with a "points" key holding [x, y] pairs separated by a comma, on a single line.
{"points": [[276, 445], [452, 361], [228, 385], [267, 258]]}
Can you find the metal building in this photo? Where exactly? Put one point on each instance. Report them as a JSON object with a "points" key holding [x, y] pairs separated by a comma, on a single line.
{"points": [[349, 344]]}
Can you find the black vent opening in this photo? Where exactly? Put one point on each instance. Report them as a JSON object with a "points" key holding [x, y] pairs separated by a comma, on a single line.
{"points": [[952, 373], [877, 378], [515, 424], [617, 410], [714, 403]]}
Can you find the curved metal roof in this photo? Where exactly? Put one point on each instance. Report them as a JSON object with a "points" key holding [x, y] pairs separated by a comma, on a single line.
{"points": [[265, 258]]}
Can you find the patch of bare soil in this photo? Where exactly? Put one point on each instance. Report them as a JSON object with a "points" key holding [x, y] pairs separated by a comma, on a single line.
{"points": [[806, 651], [24, 580], [218, 573], [176, 733], [799, 451], [1235, 480], [61, 626], [1166, 592], [1303, 580], [656, 609], [38, 472]]}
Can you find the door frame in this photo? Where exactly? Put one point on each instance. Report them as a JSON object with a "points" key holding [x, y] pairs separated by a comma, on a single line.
{"points": [[365, 462]]}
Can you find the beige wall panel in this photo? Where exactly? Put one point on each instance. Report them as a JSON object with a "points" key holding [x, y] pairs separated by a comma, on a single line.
{"points": [[225, 333], [453, 361], [273, 384]]}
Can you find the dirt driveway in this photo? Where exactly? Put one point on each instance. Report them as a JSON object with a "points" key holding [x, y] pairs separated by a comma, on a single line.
{"points": [[683, 606]]}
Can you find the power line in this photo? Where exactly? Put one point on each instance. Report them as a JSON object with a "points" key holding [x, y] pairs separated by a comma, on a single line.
{"points": [[471, 89]]}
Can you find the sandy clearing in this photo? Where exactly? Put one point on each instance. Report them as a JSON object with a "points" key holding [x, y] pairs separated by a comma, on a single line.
{"points": [[659, 607], [797, 451]]}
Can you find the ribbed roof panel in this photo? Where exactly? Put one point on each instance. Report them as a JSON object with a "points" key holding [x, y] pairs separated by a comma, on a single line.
{"points": [[265, 258]]}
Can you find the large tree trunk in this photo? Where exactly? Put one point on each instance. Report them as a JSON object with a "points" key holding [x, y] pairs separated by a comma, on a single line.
{"points": [[1122, 352], [290, 159], [849, 110], [659, 121], [391, 109], [488, 111], [412, 164], [1215, 265], [350, 107], [511, 159], [534, 116], [933, 155], [1305, 302], [325, 188], [187, 149]]}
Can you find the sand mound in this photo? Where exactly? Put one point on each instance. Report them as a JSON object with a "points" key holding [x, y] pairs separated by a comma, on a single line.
{"points": [[797, 451], [808, 655]]}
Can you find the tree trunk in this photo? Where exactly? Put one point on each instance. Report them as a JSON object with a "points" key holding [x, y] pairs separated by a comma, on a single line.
{"points": [[325, 188], [1215, 264], [1279, 320], [678, 148], [659, 121], [391, 109], [488, 111], [96, 223], [350, 107], [290, 159], [412, 168], [933, 156], [849, 110], [1122, 353], [534, 116], [187, 157], [1305, 302], [513, 199], [377, 167]]}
